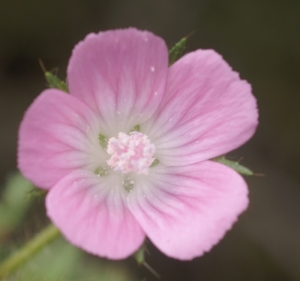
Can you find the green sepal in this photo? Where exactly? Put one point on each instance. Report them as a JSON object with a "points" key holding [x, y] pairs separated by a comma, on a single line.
{"points": [[234, 165], [52, 79], [55, 82], [175, 53], [36, 193], [139, 255]]}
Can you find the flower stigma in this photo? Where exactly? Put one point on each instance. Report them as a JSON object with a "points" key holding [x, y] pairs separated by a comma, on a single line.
{"points": [[131, 152]]}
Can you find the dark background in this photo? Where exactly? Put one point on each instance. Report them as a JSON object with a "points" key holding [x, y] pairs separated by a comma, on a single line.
{"points": [[260, 39]]}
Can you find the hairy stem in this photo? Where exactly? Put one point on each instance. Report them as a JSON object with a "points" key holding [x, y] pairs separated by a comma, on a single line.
{"points": [[17, 259]]}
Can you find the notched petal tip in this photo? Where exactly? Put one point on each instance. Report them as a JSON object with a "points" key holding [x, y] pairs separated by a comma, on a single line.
{"points": [[92, 214], [53, 139], [186, 210], [207, 111], [117, 73]]}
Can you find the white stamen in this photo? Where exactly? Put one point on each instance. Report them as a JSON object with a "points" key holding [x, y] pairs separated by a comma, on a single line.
{"points": [[130, 153]]}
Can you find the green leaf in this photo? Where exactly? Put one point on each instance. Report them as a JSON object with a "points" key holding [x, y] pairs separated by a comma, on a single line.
{"points": [[176, 51], [234, 165], [14, 203], [60, 261]]}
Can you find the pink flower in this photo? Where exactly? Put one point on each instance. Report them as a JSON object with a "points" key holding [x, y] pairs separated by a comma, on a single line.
{"points": [[150, 173]]}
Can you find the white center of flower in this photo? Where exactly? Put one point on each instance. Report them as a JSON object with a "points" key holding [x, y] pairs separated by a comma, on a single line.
{"points": [[130, 153]]}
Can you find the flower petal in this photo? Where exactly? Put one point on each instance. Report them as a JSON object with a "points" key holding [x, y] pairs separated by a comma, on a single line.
{"points": [[207, 111], [91, 212], [187, 210], [121, 75], [59, 133]]}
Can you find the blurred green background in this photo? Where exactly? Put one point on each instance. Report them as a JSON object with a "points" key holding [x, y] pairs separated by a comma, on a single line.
{"points": [[260, 39]]}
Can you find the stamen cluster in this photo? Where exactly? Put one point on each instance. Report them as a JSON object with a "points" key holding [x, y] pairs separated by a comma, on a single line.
{"points": [[130, 153]]}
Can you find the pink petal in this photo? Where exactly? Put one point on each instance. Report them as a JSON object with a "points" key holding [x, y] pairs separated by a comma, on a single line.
{"points": [[121, 75], [91, 213], [187, 210], [206, 111], [59, 133]]}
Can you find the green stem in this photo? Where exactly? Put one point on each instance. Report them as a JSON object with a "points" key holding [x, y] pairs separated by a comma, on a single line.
{"points": [[45, 237]]}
